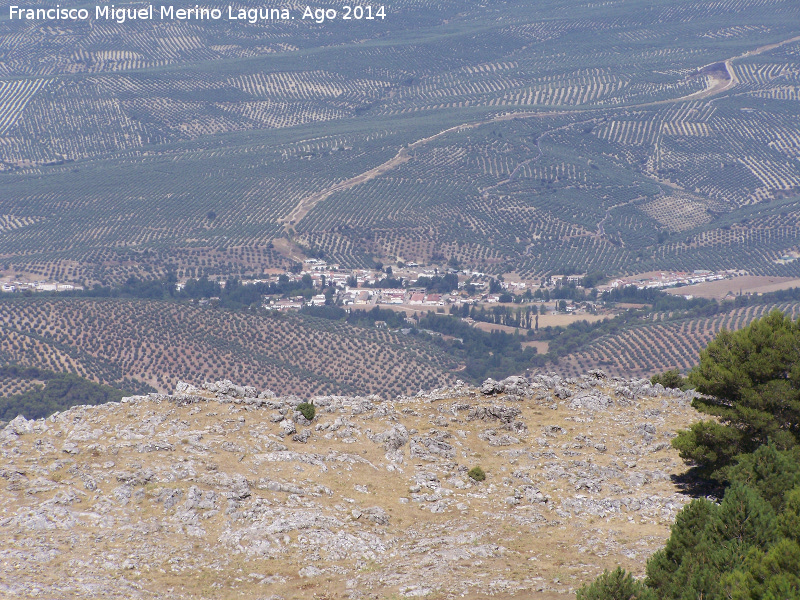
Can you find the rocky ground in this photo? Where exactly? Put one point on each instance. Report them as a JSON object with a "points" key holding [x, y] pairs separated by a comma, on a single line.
{"points": [[226, 492]]}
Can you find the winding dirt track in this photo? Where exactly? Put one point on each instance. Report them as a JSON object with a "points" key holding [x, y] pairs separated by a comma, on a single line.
{"points": [[306, 204], [403, 156], [719, 86]]}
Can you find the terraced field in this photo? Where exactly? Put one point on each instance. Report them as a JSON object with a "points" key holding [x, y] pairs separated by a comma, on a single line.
{"points": [[661, 345], [160, 343], [514, 136]]}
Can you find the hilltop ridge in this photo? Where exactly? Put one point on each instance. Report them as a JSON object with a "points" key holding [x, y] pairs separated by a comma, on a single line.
{"points": [[225, 488]]}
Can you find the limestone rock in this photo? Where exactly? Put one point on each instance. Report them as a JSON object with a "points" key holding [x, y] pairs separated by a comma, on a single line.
{"points": [[392, 439], [591, 401], [506, 414], [431, 449], [491, 387], [371, 498], [287, 427], [20, 425]]}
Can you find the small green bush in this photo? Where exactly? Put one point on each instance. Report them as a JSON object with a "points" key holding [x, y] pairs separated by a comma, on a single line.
{"points": [[616, 585], [477, 474], [308, 410], [671, 379]]}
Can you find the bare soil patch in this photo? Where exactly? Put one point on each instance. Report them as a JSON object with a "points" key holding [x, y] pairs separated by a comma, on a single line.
{"points": [[749, 284], [564, 320], [541, 347]]}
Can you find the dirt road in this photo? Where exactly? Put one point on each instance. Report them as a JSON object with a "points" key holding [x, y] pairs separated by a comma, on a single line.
{"points": [[720, 85]]}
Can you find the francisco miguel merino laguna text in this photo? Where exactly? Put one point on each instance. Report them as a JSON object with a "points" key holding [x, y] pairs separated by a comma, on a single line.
{"points": [[120, 15]]}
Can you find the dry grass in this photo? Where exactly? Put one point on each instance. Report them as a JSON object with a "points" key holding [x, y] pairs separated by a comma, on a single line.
{"points": [[478, 546]]}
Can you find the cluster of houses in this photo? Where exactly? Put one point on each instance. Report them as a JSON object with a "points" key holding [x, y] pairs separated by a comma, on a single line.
{"points": [[357, 288], [353, 288], [671, 279], [37, 286], [359, 298], [360, 288]]}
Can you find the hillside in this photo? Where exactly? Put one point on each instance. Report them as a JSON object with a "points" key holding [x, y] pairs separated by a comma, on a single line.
{"points": [[133, 344], [127, 343], [224, 490], [658, 344], [516, 136]]}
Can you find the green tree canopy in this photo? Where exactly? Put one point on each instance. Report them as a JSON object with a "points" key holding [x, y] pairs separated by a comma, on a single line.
{"points": [[771, 472], [747, 547], [60, 392], [772, 575], [670, 379], [751, 383], [709, 540], [683, 551]]}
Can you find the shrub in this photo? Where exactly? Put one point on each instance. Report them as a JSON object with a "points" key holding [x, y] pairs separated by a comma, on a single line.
{"points": [[477, 474], [308, 410], [671, 379], [616, 585]]}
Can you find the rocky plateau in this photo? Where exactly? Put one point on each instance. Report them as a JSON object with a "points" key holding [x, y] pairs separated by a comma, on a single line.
{"points": [[225, 491]]}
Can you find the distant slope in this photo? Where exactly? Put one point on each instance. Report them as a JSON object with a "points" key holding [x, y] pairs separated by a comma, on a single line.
{"points": [[159, 343], [661, 345], [514, 135], [59, 392]]}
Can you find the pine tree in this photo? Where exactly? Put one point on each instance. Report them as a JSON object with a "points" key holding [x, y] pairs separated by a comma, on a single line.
{"points": [[751, 382], [708, 541], [771, 575], [769, 471], [789, 519], [686, 538]]}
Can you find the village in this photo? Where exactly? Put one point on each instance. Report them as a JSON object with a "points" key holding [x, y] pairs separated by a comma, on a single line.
{"points": [[412, 287], [12, 286], [425, 288]]}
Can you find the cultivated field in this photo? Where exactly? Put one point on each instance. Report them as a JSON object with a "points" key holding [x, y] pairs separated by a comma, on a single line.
{"points": [[157, 343], [660, 345], [10, 386], [618, 138]]}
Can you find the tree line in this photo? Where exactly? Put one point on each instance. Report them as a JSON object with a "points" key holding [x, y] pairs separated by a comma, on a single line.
{"points": [[496, 354], [59, 392]]}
